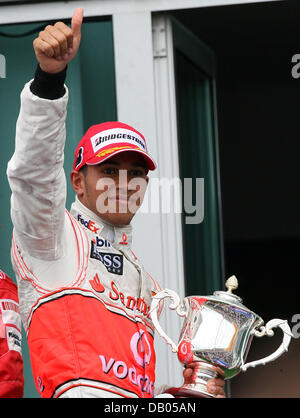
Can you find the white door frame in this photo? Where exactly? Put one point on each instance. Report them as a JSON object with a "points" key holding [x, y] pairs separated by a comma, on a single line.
{"points": [[62, 10]]}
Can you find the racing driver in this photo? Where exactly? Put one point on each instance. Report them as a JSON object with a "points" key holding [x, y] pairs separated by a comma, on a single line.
{"points": [[84, 296]]}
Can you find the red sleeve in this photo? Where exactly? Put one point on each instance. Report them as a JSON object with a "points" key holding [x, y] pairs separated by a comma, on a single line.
{"points": [[11, 362]]}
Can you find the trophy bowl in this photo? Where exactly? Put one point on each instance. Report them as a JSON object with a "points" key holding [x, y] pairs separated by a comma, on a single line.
{"points": [[217, 332]]}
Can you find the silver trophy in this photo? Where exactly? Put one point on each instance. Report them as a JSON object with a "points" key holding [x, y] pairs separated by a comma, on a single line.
{"points": [[217, 331]]}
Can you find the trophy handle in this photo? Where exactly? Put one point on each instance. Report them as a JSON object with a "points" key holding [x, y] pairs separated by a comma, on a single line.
{"points": [[175, 305], [268, 330]]}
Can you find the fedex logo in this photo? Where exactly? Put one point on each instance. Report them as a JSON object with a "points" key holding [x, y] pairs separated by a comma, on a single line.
{"points": [[88, 224]]}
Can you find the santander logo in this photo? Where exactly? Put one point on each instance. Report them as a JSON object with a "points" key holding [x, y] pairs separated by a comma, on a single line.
{"points": [[134, 304], [96, 284]]}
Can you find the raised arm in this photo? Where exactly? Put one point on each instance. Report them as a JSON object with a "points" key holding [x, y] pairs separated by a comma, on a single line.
{"points": [[35, 171]]}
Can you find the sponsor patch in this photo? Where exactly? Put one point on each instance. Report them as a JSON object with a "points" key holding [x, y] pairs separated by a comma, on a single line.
{"points": [[100, 242], [88, 224], [142, 352], [96, 284], [112, 262], [116, 136], [109, 151], [14, 339]]}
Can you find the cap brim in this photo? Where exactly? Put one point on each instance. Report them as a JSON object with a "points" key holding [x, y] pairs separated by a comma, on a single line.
{"points": [[150, 163]]}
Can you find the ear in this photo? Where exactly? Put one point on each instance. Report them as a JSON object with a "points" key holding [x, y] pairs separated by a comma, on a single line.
{"points": [[78, 183]]}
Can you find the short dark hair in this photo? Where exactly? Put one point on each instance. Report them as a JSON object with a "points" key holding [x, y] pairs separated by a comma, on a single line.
{"points": [[83, 170]]}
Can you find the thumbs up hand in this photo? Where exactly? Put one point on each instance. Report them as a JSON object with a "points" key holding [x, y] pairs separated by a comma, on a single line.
{"points": [[57, 45]]}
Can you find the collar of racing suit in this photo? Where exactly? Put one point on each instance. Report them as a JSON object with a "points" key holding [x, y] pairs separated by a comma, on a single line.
{"points": [[120, 237]]}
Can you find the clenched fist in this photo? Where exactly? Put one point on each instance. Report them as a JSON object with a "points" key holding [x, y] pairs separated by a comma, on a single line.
{"points": [[57, 45]]}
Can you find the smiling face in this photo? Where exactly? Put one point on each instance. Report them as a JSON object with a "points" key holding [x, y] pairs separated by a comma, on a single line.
{"points": [[113, 190]]}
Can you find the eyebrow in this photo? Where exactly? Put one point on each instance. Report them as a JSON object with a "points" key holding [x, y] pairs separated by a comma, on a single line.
{"points": [[116, 163], [109, 163]]}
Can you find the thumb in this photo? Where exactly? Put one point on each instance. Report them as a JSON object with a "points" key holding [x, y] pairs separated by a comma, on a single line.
{"points": [[77, 22]]}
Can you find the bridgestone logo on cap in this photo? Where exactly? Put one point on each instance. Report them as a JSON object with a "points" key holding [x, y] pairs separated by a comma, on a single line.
{"points": [[115, 136]]}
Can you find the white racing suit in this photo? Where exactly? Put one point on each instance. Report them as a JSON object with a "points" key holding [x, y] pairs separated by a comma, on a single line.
{"points": [[84, 296]]}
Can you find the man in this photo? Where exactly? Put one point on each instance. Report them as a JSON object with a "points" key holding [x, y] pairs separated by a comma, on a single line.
{"points": [[11, 363], [84, 296]]}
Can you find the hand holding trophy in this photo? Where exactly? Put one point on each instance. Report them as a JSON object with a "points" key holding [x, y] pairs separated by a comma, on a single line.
{"points": [[217, 331]]}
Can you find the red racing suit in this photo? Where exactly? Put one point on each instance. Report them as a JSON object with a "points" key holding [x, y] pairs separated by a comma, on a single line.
{"points": [[11, 363], [84, 296]]}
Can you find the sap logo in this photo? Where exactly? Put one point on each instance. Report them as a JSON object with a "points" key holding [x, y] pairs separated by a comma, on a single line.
{"points": [[112, 262]]}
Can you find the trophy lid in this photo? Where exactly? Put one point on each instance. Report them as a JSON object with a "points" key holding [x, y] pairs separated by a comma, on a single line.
{"points": [[227, 296]]}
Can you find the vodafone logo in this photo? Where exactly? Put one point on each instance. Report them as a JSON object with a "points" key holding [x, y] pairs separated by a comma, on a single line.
{"points": [[141, 348], [131, 374], [185, 353]]}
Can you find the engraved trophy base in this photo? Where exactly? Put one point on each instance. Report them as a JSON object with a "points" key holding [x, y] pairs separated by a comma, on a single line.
{"points": [[188, 391], [197, 389]]}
